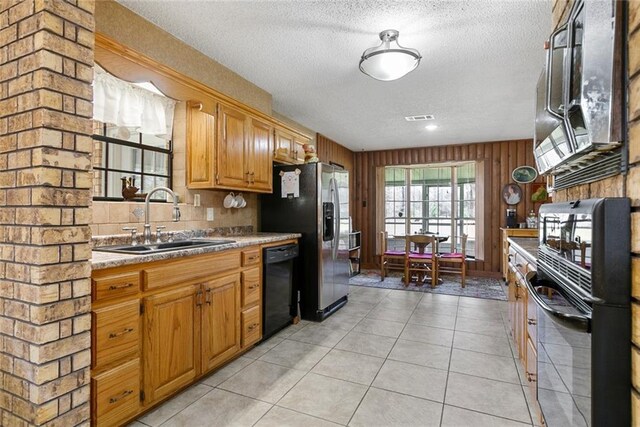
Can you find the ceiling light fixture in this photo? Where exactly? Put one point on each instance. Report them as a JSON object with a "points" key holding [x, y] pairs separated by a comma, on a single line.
{"points": [[431, 127], [386, 62]]}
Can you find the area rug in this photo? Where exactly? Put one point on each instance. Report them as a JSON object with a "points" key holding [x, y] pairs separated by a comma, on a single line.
{"points": [[476, 287]]}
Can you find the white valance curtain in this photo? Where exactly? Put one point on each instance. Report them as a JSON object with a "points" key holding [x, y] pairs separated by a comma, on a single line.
{"points": [[122, 103]]}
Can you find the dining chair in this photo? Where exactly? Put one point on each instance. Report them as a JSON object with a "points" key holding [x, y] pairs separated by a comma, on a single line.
{"points": [[455, 262], [389, 259], [420, 260]]}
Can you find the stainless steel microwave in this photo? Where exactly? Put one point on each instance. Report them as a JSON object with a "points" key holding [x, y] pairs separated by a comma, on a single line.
{"points": [[579, 102]]}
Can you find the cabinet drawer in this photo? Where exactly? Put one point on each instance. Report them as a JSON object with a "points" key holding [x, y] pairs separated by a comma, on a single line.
{"points": [[251, 257], [251, 287], [115, 286], [251, 326], [116, 332], [532, 321], [183, 270], [116, 394]]}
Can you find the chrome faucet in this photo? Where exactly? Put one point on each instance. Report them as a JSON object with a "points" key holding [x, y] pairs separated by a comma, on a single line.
{"points": [[147, 222]]}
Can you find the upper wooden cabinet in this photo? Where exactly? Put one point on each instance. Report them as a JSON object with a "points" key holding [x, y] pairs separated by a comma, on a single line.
{"points": [[289, 146], [201, 137], [233, 152]]}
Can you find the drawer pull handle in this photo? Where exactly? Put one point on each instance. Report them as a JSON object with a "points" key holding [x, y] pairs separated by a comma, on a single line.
{"points": [[252, 287], [121, 396], [531, 377], [115, 287], [531, 322], [119, 334], [252, 326], [253, 257], [208, 297]]}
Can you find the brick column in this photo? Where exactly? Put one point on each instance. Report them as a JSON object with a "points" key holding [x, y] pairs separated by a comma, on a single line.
{"points": [[46, 60]]}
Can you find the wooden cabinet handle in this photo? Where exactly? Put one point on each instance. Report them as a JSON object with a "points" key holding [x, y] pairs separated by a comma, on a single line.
{"points": [[531, 377], [253, 257], [125, 331], [208, 297], [531, 321], [252, 287], [115, 287], [198, 296], [253, 326], [121, 396]]}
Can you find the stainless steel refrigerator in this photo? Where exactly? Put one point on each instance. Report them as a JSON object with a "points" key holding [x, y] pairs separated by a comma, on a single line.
{"points": [[315, 203]]}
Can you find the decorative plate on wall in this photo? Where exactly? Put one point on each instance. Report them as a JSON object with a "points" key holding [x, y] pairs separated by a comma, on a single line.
{"points": [[511, 194], [524, 174]]}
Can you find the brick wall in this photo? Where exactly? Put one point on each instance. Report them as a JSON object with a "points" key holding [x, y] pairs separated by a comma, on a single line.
{"points": [[622, 185], [46, 60]]}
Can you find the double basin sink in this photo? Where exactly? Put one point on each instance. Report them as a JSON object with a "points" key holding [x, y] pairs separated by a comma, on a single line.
{"points": [[162, 247]]}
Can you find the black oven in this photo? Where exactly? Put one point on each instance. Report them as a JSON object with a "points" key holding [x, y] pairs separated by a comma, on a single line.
{"points": [[582, 294]]}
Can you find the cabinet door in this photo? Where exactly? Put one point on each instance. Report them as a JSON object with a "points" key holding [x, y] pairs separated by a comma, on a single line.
{"points": [[201, 132], [220, 321], [259, 160], [284, 146], [231, 161], [170, 344]]}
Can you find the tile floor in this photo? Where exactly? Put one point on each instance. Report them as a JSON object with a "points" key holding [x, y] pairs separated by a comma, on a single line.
{"points": [[388, 358]]}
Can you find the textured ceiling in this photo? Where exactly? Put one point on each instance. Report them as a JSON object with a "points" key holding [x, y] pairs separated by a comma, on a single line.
{"points": [[481, 60]]}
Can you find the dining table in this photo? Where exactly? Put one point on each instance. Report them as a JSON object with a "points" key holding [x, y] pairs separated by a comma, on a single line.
{"points": [[420, 247]]}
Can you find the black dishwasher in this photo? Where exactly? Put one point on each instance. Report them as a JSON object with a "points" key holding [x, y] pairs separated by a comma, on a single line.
{"points": [[277, 291]]}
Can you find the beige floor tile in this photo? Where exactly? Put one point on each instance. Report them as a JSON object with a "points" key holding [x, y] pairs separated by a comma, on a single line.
{"points": [[482, 343], [227, 409], [481, 327], [373, 345], [483, 365], [488, 396], [319, 335], [414, 380], [260, 349], [389, 409], [227, 371], [435, 320], [348, 366], [295, 354], [282, 417], [383, 328], [427, 334], [457, 417], [324, 397], [439, 299], [341, 320], [357, 309], [167, 410], [263, 381], [419, 353], [392, 314]]}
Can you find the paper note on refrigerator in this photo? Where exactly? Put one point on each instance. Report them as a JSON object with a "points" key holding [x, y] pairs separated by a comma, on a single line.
{"points": [[290, 184]]}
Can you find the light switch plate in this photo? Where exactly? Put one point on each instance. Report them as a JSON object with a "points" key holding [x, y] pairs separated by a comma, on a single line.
{"points": [[196, 200], [209, 214]]}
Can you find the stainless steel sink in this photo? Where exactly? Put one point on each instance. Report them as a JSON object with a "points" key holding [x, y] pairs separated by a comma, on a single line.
{"points": [[162, 247]]}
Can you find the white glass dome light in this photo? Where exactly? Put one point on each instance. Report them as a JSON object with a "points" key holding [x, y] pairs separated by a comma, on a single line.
{"points": [[386, 62]]}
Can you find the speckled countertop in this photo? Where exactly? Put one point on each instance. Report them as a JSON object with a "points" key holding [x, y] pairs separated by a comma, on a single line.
{"points": [[528, 246], [100, 260]]}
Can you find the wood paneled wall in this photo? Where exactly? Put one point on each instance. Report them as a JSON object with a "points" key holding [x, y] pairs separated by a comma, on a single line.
{"points": [[498, 160], [331, 151]]}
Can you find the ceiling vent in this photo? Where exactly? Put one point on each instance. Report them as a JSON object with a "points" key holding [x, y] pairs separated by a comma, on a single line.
{"points": [[420, 118]]}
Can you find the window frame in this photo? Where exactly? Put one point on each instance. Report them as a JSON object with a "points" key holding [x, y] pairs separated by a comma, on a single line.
{"points": [[456, 221], [109, 141]]}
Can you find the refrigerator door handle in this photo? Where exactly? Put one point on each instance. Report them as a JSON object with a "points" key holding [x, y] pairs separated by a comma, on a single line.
{"points": [[336, 218]]}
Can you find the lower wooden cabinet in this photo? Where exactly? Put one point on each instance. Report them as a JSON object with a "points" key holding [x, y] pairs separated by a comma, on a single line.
{"points": [[176, 322], [171, 326], [220, 321], [116, 394]]}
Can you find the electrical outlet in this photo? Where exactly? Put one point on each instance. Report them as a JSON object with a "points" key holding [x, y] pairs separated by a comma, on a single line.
{"points": [[209, 214], [196, 200]]}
